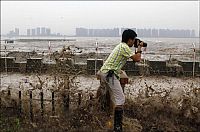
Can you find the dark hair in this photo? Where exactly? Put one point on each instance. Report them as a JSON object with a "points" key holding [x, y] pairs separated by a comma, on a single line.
{"points": [[128, 34]]}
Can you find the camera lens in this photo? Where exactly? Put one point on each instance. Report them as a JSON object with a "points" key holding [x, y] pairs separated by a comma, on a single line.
{"points": [[136, 41], [144, 44]]}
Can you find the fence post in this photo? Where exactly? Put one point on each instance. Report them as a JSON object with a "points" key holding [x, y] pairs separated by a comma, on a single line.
{"points": [[42, 103], [79, 99], [9, 94], [194, 60], [53, 104], [31, 105], [0, 102], [20, 103], [66, 101]]}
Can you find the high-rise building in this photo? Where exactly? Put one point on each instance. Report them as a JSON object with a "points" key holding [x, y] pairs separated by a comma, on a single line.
{"points": [[81, 32], [33, 32], [38, 31], [140, 32], [154, 33], [43, 31], [192, 34], [58, 34], [48, 31], [116, 32], [16, 32], [28, 32], [162, 32], [91, 32]]}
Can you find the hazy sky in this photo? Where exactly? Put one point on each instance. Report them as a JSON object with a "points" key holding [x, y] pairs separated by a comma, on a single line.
{"points": [[65, 16]]}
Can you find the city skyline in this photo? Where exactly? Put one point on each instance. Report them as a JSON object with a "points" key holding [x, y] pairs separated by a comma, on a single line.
{"points": [[36, 31], [39, 29], [65, 16], [115, 32]]}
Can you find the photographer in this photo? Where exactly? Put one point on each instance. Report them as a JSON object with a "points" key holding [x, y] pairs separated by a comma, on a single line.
{"points": [[111, 69]]}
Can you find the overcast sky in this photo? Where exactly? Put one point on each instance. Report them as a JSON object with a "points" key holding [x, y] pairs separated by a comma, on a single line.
{"points": [[65, 16]]}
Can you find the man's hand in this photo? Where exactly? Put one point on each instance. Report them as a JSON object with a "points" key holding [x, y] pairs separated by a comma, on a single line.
{"points": [[136, 57], [141, 44]]}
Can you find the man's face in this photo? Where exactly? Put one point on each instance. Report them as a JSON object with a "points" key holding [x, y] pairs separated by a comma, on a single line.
{"points": [[131, 42]]}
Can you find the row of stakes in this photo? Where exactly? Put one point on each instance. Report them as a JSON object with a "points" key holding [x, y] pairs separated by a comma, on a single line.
{"points": [[66, 100]]}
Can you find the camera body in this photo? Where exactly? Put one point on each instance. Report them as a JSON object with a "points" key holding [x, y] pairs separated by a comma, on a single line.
{"points": [[136, 45]]}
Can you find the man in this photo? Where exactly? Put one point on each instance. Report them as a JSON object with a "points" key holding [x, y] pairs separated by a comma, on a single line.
{"points": [[111, 69]]}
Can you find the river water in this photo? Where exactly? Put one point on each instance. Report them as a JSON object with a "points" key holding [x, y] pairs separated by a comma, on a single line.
{"points": [[158, 48]]}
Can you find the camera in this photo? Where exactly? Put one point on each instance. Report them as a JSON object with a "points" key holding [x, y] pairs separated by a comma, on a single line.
{"points": [[136, 45]]}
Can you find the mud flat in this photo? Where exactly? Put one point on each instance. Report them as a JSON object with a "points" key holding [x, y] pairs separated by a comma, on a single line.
{"points": [[153, 103], [13, 80]]}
